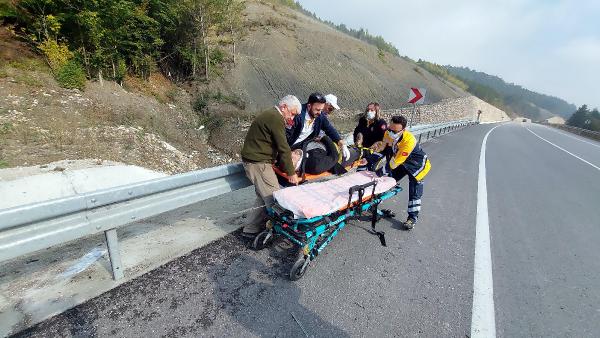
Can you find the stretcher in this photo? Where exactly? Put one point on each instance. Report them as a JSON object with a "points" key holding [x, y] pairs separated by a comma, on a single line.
{"points": [[311, 215]]}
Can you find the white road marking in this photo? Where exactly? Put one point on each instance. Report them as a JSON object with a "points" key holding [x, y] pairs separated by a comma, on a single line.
{"points": [[573, 137], [563, 149], [483, 319]]}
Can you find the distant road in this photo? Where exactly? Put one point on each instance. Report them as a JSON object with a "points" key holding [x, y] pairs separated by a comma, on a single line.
{"points": [[544, 222], [544, 203]]}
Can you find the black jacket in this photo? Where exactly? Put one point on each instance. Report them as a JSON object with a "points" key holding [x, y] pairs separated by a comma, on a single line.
{"points": [[321, 123], [371, 133], [320, 160]]}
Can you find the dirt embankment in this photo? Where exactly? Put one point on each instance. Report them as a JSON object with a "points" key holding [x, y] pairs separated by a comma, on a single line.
{"points": [[150, 124], [286, 52]]}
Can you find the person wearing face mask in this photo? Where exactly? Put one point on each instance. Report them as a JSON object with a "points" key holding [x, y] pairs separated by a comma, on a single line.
{"points": [[406, 158], [371, 127], [265, 142], [309, 124]]}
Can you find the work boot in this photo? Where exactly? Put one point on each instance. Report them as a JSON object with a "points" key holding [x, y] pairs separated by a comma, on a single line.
{"points": [[251, 231], [410, 223]]}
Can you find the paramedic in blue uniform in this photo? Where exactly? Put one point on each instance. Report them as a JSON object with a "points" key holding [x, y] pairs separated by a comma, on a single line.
{"points": [[407, 159], [309, 124]]}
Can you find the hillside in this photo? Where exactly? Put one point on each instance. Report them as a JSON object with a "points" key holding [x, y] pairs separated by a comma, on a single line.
{"points": [[285, 51], [520, 100], [174, 127]]}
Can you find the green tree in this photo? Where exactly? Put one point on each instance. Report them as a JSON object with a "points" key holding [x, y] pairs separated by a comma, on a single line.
{"points": [[585, 118]]}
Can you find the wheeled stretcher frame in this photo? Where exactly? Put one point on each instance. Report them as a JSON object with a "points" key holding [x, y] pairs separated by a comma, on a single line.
{"points": [[312, 235]]}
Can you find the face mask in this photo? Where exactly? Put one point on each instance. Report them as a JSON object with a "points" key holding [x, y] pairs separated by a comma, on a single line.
{"points": [[394, 135], [370, 115]]}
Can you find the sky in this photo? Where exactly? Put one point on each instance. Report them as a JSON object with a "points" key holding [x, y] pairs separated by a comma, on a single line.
{"points": [[548, 46]]}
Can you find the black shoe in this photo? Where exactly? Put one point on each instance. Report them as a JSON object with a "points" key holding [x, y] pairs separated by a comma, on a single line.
{"points": [[410, 223], [249, 235], [387, 213]]}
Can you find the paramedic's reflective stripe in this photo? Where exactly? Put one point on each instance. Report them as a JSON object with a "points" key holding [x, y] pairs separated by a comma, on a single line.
{"points": [[413, 209], [421, 173], [416, 202]]}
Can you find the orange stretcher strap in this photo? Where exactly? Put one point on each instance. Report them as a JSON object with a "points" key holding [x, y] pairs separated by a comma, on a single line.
{"points": [[310, 177]]}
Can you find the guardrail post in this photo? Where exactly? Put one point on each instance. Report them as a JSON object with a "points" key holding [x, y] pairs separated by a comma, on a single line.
{"points": [[112, 242]]}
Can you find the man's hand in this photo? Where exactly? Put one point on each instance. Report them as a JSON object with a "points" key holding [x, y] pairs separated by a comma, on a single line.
{"points": [[378, 146], [293, 179], [359, 139]]}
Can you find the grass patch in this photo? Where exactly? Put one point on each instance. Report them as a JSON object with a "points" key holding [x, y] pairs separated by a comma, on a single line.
{"points": [[171, 94], [203, 100], [4, 164], [210, 121], [29, 64], [270, 22], [5, 128], [26, 135], [381, 56], [27, 79]]}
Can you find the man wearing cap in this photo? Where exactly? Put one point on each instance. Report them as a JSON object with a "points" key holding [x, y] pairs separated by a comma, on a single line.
{"points": [[309, 123], [265, 142], [330, 103]]}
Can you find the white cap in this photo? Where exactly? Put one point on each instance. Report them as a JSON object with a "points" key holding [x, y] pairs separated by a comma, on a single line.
{"points": [[332, 99]]}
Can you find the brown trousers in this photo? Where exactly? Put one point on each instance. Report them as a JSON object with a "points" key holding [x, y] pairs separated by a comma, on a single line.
{"points": [[265, 183]]}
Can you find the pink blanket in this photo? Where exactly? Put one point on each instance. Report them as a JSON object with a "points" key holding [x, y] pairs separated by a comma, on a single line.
{"points": [[323, 198]]}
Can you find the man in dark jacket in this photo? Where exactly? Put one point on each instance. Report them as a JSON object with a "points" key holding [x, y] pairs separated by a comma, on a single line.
{"points": [[265, 142], [309, 123]]}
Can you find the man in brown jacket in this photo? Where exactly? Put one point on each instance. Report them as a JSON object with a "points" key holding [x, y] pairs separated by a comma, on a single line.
{"points": [[264, 144]]}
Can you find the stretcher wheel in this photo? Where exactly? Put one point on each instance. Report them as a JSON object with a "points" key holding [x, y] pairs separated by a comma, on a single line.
{"points": [[262, 240], [299, 268]]}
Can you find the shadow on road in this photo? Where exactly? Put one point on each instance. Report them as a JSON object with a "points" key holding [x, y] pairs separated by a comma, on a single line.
{"points": [[255, 291]]}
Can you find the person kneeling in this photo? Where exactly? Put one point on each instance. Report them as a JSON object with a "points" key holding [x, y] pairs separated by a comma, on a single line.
{"points": [[406, 159]]}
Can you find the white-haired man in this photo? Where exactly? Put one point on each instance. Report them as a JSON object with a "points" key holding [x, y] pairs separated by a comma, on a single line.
{"points": [[265, 143]]}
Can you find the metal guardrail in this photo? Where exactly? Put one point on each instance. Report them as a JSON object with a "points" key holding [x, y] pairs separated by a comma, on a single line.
{"points": [[575, 130], [29, 228], [26, 229]]}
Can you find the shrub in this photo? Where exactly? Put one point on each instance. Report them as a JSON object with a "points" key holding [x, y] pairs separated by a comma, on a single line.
{"points": [[200, 103], [71, 75], [121, 71], [57, 54], [5, 128]]}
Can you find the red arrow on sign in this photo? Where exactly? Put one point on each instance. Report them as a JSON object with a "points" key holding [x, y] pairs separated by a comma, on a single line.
{"points": [[415, 95]]}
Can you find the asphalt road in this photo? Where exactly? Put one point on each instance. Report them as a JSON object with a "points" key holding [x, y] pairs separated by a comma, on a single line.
{"points": [[544, 207], [544, 221]]}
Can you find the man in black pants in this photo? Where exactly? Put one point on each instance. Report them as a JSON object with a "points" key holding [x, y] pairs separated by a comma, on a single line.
{"points": [[326, 156]]}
